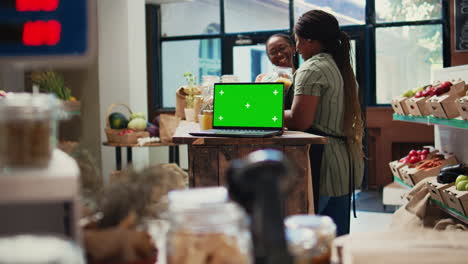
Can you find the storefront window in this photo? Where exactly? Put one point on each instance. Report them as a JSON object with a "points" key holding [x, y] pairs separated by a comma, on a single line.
{"points": [[256, 15], [196, 13], [405, 57], [200, 57], [348, 12], [407, 10]]}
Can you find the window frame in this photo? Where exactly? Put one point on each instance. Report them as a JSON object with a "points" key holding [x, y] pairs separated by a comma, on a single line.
{"points": [[366, 66]]}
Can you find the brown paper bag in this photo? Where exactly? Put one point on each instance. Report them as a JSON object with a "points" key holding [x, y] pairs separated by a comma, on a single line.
{"points": [[167, 127], [180, 103]]}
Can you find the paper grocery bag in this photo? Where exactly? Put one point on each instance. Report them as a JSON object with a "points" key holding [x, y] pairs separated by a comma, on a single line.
{"points": [[180, 103], [167, 127]]}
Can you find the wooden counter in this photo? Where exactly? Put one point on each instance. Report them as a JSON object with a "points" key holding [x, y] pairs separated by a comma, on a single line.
{"points": [[209, 159]]}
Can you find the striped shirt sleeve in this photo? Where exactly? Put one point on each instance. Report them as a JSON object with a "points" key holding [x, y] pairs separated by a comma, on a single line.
{"points": [[310, 82]]}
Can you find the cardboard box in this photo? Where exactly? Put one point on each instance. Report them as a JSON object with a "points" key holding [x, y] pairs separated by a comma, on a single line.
{"points": [[444, 106], [417, 175], [395, 167], [462, 107], [417, 106], [399, 105], [455, 199], [436, 189], [404, 172]]}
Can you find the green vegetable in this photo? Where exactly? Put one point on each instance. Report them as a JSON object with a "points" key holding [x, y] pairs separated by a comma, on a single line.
{"points": [[138, 124], [137, 115], [461, 186], [118, 120], [52, 82]]}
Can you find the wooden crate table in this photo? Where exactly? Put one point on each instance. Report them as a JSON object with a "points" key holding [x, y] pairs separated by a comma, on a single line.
{"points": [[173, 151], [209, 159]]}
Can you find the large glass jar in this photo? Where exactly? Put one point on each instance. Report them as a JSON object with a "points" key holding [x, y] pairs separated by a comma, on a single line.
{"points": [[206, 228], [310, 238], [279, 74], [28, 125]]}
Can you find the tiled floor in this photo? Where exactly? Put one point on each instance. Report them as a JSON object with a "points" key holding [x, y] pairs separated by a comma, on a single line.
{"points": [[370, 221], [371, 214]]}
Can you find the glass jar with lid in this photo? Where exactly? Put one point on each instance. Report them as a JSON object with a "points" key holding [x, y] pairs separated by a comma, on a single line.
{"points": [[206, 228], [28, 128], [229, 78], [310, 238]]}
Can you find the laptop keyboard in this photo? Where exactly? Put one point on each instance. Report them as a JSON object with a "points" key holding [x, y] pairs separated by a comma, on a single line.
{"points": [[239, 132]]}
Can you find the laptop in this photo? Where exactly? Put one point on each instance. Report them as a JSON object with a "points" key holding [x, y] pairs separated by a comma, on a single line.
{"points": [[246, 110]]}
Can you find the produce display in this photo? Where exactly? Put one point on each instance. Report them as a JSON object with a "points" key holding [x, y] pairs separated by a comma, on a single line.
{"points": [[136, 123], [450, 174], [441, 100], [461, 182], [430, 90], [2, 93], [413, 92], [415, 156]]}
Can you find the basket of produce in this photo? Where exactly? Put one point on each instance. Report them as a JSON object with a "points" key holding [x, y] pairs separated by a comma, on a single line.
{"points": [[122, 130]]}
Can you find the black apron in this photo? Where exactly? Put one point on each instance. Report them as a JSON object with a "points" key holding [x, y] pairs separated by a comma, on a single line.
{"points": [[316, 154]]}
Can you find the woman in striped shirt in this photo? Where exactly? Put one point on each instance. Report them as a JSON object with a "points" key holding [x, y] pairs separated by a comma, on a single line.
{"points": [[325, 102]]}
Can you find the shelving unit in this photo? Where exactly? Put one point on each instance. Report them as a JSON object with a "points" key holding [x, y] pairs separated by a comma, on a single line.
{"points": [[430, 120], [450, 135], [452, 212]]}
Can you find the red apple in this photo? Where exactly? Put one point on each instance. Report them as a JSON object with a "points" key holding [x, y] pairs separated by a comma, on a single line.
{"points": [[422, 157], [446, 84], [419, 95], [441, 90], [414, 159], [412, 153], [425, 152]]}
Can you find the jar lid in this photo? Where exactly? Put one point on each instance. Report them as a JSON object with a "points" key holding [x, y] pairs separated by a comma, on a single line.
{"points": [[313, 222], [197, 197], [203, 209], [28, 106]]}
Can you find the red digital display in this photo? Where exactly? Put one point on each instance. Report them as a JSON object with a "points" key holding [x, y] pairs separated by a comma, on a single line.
{"points": [[37, 5], [40, 33]]}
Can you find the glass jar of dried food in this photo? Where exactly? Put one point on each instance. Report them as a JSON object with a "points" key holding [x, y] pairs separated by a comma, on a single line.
{"points": [[28, 125], [206, 228], [311, 238]]}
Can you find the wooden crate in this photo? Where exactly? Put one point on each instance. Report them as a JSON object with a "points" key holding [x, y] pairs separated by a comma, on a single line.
{"points": [[462, 107], [405, 172], [417, 106], [444, 106], [417, 175], [436, 189], [395, 167], [455, 199], [399, 105]]}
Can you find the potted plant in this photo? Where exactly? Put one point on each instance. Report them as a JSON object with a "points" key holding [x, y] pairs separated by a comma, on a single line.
{"points": [[53, 82], [190, 90]]}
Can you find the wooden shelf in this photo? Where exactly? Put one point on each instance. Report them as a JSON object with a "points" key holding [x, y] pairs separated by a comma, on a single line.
{"points": [[58, 182], [452, 212], [430, 120]]}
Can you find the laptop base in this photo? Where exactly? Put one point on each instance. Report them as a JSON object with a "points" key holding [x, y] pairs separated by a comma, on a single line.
{"points": [[236, 134]]}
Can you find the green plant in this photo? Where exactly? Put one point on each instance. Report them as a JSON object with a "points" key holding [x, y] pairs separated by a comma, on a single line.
{"points": [[52, 82], [191, 90]]}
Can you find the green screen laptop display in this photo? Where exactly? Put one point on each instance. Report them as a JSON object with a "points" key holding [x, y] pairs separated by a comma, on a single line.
{"points": [[248, 105]]}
